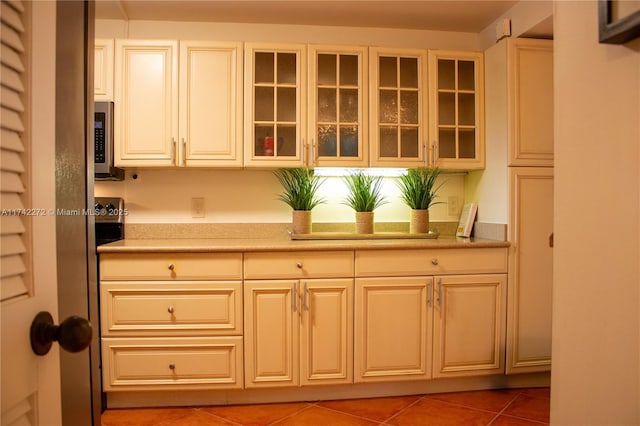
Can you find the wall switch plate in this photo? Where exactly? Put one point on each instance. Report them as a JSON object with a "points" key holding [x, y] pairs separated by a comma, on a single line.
{"points": [[197, 207]]}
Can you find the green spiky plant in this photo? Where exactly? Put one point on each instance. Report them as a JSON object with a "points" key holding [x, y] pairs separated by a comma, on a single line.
{"points": [[418, 187], [300, 187], [364, 192]]}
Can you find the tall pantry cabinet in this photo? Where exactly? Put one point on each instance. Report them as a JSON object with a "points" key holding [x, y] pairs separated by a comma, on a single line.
{"points": [[530, 170]]}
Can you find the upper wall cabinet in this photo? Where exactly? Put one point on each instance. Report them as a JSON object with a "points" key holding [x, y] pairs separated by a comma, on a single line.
{"points": [[103, 70], [457, 109], [275, 100], [167, 115], [338, 106], [398, 115], [146, 103], [530, 102], [210, 124]]}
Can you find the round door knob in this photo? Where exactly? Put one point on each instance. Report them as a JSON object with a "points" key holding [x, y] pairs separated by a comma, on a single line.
{"points": [[434, 262], [73, 334]]}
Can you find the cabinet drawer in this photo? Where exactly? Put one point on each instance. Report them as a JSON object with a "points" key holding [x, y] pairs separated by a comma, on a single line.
{"points": [[167, 308], [170, 266], [298, 265], [172, 363], [373, 263]]}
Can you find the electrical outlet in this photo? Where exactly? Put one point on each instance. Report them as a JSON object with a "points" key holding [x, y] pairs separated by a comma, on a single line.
{"points": [[454, 206], [197, 207]]}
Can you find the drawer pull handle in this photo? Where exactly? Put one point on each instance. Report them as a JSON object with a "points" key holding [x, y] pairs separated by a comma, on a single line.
{"points": [[170, 309], [434, 262], [171, 267], [172, 366], [299, 265]]}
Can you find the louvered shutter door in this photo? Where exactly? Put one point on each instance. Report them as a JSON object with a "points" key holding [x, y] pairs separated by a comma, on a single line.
{"points": [[14, 224]]}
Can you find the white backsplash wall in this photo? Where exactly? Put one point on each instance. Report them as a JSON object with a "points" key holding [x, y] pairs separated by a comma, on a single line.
{"points": [[251, 196]]}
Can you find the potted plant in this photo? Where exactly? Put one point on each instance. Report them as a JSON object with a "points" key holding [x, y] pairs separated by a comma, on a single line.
{"points": [[364, 197], [419, 191], [300, 192]]}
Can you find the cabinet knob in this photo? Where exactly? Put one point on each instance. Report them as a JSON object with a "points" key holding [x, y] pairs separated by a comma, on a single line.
{"points": [[172, 366], [299, 265], [171, 267], [170, 309], [434, 261]]}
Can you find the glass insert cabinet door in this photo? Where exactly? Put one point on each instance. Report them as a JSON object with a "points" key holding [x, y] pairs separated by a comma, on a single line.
{"points": [[338, 106], [398, 113], [274, 104], [457, 109]]}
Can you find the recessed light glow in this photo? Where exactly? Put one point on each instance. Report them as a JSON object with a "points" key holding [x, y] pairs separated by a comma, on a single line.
{"points": [[340, 171]]}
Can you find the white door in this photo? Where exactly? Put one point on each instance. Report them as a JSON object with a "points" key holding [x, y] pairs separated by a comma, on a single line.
{"points": [[30, 383]]}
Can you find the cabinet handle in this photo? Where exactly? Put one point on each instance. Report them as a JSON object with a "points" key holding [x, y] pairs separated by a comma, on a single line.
{"points": [[439, 297], [429, 292], [294, 301], [434, 163], [172, 366], [313, 152], [551, 240], [171, 267], [183, 157], [305, 306], [302, 153], [170, 309], [434, 261], [173, 151], [425, 148]]}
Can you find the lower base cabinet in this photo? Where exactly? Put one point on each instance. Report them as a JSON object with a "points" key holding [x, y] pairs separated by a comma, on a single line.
{"points": [[298, 332], [441, 320], [469, 325], [392, 328]]}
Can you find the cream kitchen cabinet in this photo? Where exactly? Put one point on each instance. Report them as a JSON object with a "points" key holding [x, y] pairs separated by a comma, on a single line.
{"points": [[398, 107], [530, 269], [338, 106], [427, 302], [103, 69], [298, 318], [456, 104], [177, 104], [469, 325], [275, 105], [530, 99], [392, 329], [171, 321]]}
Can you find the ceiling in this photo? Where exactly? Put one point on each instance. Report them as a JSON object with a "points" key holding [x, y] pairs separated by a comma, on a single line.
{"points": [[452, 15]]}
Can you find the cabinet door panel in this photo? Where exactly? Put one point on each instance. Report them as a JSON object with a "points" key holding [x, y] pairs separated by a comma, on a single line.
{"points": [[531, 269], [326, 335], [530, 102], [210, 107], [392, 329], [103, 70], [146, 95], [398, 107], [271, 333], [469, 325], [338, 106]]}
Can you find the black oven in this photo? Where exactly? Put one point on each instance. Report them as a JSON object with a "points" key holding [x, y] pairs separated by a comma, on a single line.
{"points": [[109, 214]]}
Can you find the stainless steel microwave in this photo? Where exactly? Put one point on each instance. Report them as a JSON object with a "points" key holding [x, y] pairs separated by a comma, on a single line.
{"points": [[103, 142]]}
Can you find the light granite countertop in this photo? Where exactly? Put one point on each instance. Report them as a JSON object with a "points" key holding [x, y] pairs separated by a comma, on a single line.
{"points": [[270, 244]]}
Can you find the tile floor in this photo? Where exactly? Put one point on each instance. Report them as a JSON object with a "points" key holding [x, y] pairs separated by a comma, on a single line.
{"points": [[516, 407]]}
